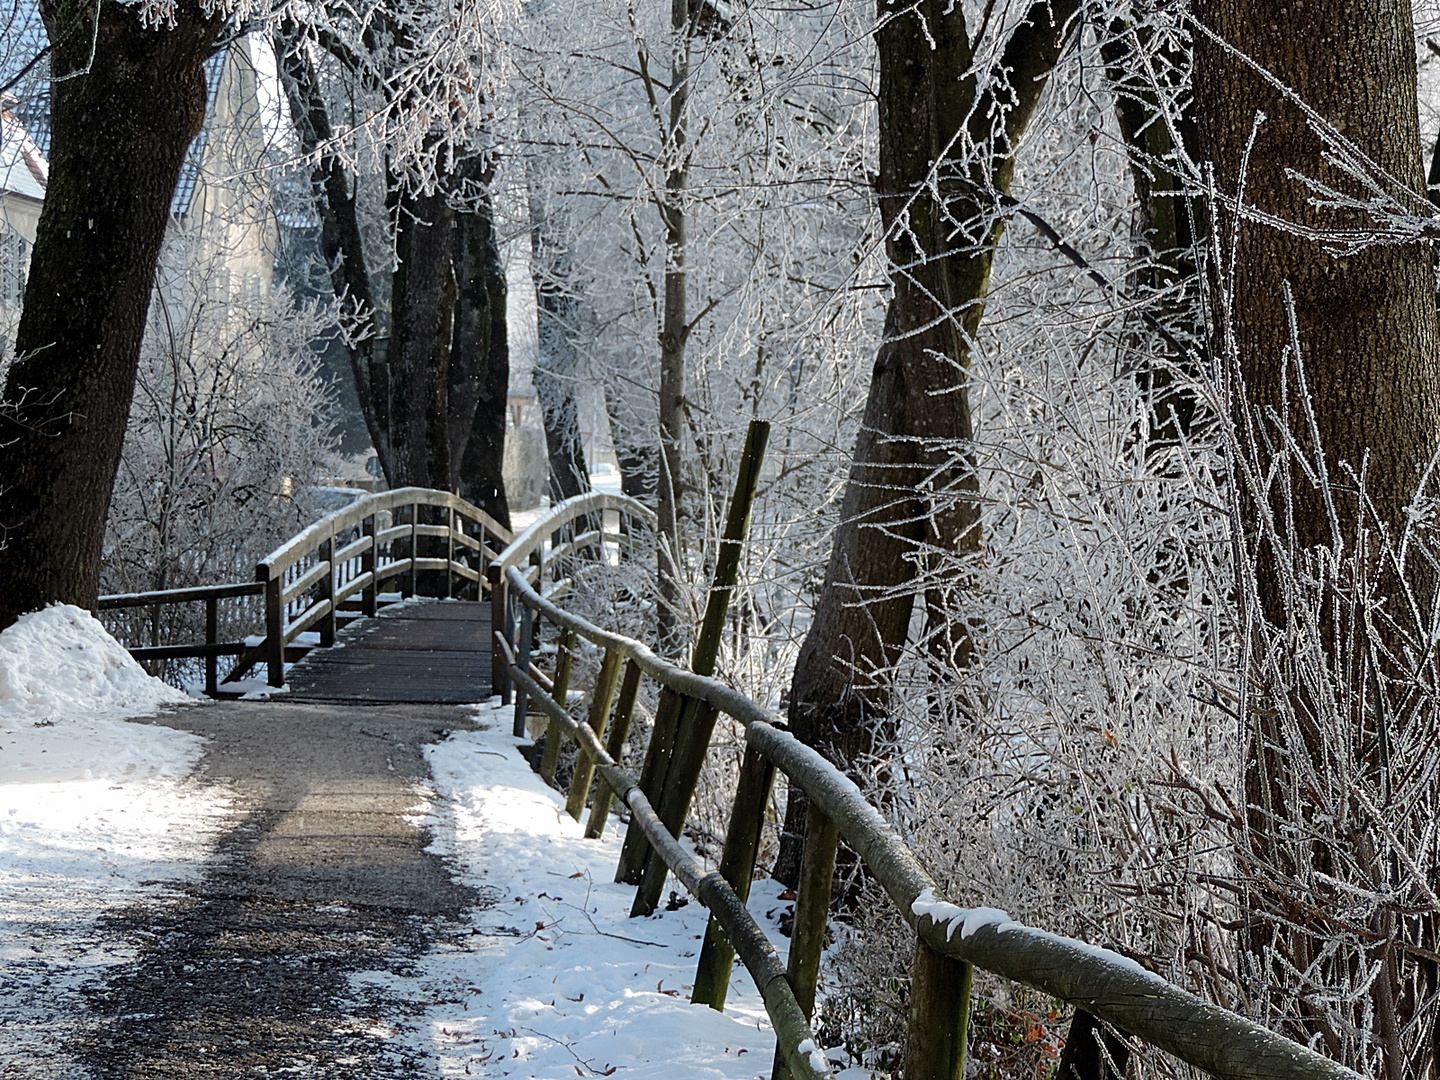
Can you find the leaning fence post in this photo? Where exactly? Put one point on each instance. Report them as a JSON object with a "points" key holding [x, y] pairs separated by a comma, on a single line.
{"points": [[559, 688], [599, 715], [675, 786], [939, 1021], [652, 778], [737, 866], [615, 747], [527, 627], [812, 909]]}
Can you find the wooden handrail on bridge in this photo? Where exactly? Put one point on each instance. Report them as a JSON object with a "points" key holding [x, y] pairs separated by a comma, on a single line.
{"points": [[948, 937], [567, 528], [353, 550]]}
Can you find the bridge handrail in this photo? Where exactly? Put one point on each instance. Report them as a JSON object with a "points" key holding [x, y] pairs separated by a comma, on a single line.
{"points": [[1102, 982], [357, 568], [305, 541], [529, 548]]}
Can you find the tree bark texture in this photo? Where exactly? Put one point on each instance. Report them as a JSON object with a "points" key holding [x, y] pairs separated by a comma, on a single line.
{"points": [[479, 360], [1367, 322], [120, 128], [434, 392], [1366, 326], [912, 484]]}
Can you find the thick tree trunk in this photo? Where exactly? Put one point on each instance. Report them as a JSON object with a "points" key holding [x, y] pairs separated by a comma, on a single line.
{"points": [[1367, 330], [479, 365], [119, 132], [912, 485], [422, 312], [561, 316], [1367, 322]]}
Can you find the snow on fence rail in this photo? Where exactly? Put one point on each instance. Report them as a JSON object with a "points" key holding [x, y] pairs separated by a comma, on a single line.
{"points": [[949, 938]]}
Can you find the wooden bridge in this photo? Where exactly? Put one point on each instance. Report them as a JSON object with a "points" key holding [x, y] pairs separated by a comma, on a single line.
{"points": [[495, 596]]}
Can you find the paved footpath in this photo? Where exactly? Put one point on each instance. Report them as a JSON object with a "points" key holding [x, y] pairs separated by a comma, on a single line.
{"points": [[322, 874]]}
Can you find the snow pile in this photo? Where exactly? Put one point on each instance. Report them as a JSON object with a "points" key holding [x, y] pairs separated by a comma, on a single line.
{"points": [[66, 687], [61, 660], [552, 978]]}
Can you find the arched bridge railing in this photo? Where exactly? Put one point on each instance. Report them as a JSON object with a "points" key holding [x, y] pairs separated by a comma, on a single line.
{"points": [[949, 939], [595, 524], [416, 540]]}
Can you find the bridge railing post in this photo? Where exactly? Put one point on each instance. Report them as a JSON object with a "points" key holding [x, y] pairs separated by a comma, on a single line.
{"points": [[414, 541], [369, 560], [275, 629], [326, 587], [450, 520]]}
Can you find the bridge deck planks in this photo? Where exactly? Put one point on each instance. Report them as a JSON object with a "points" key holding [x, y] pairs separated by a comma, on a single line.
{"points": [[423, 652]]}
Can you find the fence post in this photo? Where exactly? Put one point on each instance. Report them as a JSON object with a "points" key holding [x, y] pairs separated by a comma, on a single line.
{"points": [[326, 553], [615, 747], [599, 716], [450, 552], [499, 617], [414, 542], [274, 627], [652, 777], [675, 786], [559, 688], [369, 559], [527, 628], [812, 909], [737, 866], [212, 636], [939, 1021]]}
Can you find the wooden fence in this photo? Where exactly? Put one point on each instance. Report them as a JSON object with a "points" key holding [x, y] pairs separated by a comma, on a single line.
{"points": [[949, 939]]}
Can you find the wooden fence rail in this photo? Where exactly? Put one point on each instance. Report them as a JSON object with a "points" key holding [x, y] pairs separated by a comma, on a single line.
{"points": [[949, 939]]}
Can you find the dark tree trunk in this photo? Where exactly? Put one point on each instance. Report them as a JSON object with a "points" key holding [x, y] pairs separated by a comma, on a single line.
{"points": [[479, 358], [433, 394], [561, 317], [119, 133], [1367, 322], [912, 485], [422, 312]]}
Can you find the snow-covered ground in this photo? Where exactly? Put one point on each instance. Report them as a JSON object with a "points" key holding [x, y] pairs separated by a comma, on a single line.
{"points": [[95, 813], [553, 979]]}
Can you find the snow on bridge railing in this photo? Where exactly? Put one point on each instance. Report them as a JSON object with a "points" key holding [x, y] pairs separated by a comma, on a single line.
{"points": [[1098, 981]]}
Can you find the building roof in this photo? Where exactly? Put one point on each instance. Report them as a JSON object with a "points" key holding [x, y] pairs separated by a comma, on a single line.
{"points": [[23, 169]]}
